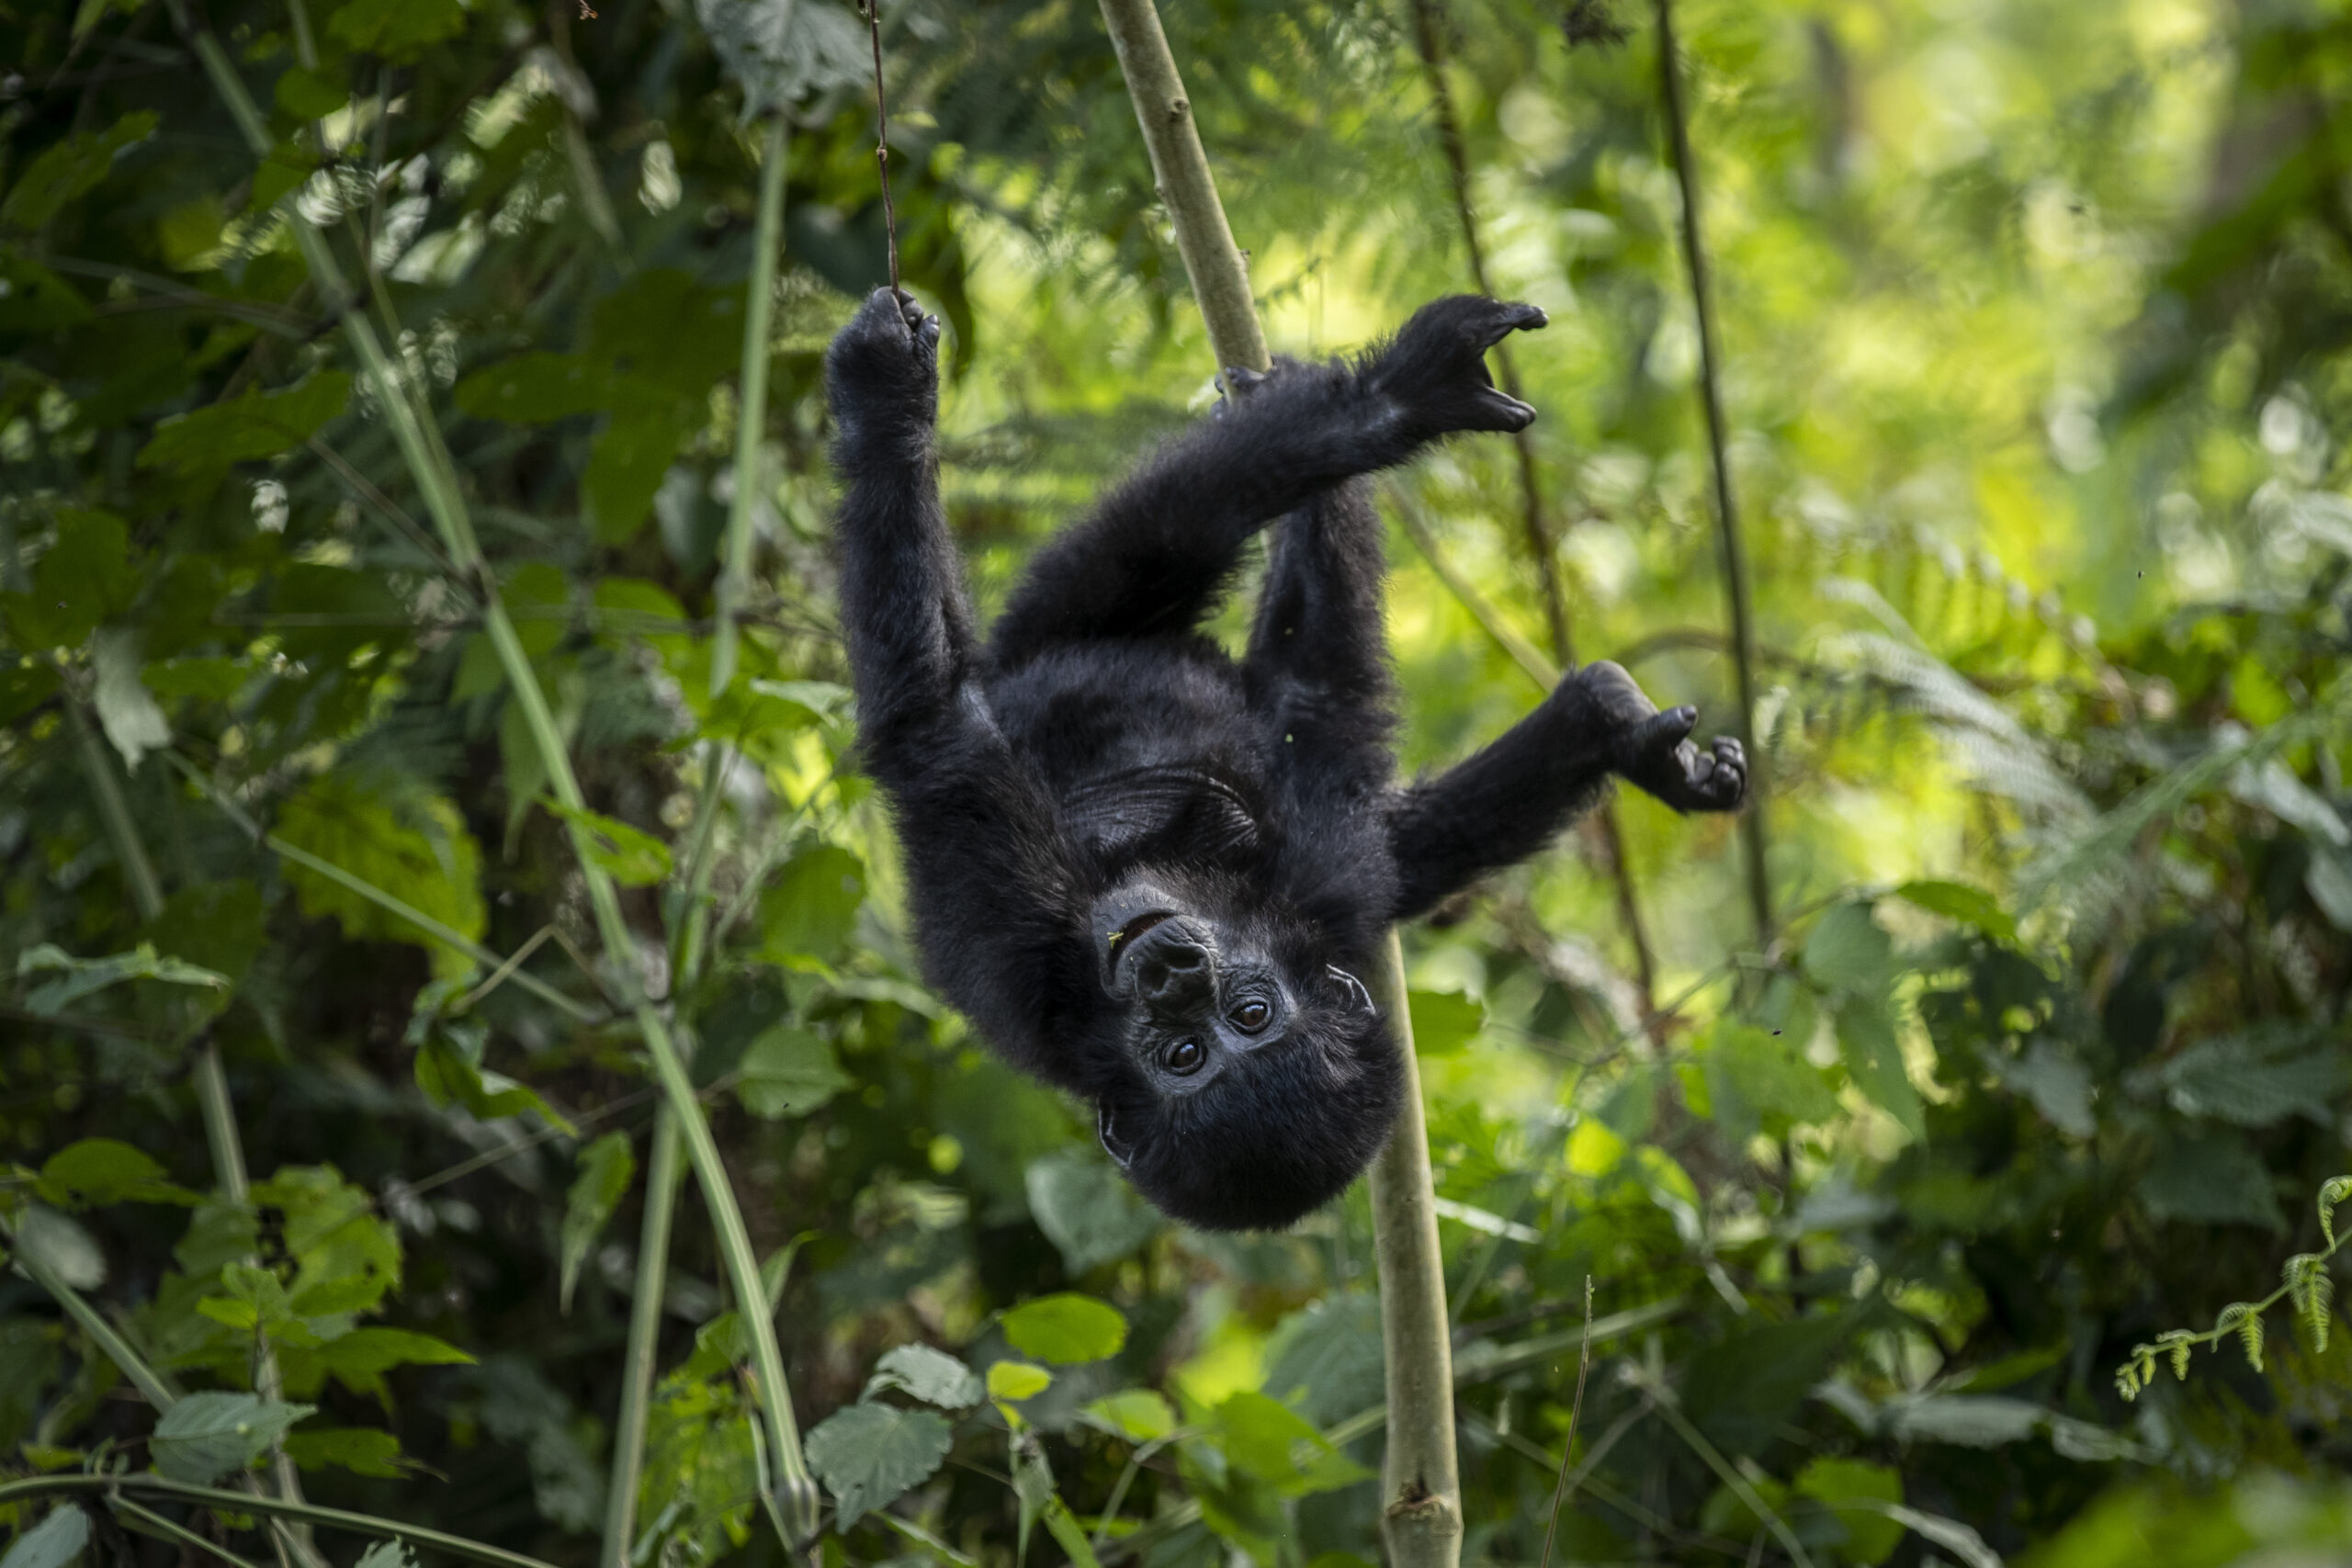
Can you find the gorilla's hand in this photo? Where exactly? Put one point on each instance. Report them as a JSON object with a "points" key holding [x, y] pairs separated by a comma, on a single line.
{"points": [[886, 362], [1436, 370], [1654, 749]]}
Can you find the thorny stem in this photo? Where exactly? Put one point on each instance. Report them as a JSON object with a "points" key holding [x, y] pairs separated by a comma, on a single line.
{"points": [[433, 471], [1733, 552]]}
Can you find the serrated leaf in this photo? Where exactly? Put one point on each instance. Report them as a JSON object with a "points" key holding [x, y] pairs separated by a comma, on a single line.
{"points": [[98, 1171], [2256, 1077], [363, 1450], [1326, 1361], [404, 841], [1088, 1214], [630, 856], [870, 1455], [1969, 906], [83, 976], [1065, 1328], [392, 1553], [605, 1166], [258, 424], [67, 168], [207, 1435], [53, 1543], [933, 1376], [781, 50]]}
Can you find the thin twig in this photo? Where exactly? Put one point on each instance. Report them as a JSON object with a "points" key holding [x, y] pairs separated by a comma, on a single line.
{"points": [[1568, 1444], [1734, 553], [873, 9]]}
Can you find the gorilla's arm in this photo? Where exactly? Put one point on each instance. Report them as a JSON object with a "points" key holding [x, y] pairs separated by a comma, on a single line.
{"points": [[1158, 549], [1506, 803]]}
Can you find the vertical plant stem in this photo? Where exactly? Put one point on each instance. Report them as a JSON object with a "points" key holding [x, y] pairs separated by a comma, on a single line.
{"points": [[1419, 1486], [434, 474], [1541, 546], [205, 1074], [1734, 553], [1568, 1443], [751, 412], [661, 1175], [1422, 1514]]}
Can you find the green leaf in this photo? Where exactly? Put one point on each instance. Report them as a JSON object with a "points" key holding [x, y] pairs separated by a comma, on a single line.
{"points": [[1770, 1075], [1326, 1361], [1137, 1414], [1971, 907], [870, 1455], [60, 1246], [448, 1075], [68, 168], [53, 1543], [1445, 1022], [534, 389], [127, 710], [258, 424], [1013, 1382], [397, 30], [788, 1071], [404, 841], [309, 94], [631, 456], [1873, 1057], [2059, 1086], [84, 976], [1847, 951], [1847, 1486], [933, 1376], [219, 926], [810, 908], [98, 1171], [2211, 1178], [363, 1450], [81, 579], [1088, 1214], [629, 855], [34, 300], [207, 1436], [1267, 1439], [2254, 1077], [780, 51], [394, 1553], [359, 1360], [1065, 1328], [605, 1166]]}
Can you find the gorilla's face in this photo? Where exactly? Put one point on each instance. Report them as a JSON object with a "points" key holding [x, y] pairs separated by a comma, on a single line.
{"points": [[1260, 1076]]}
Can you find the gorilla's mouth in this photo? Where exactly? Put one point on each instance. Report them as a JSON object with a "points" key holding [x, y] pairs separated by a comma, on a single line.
{"points": [[1123, 940]]}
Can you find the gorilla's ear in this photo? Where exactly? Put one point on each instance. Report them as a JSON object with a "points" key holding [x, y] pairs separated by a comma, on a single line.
{"points": [[1120, 1154]]}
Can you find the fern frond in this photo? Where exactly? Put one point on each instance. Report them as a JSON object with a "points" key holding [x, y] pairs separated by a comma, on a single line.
{"points": [[2241, 1319], [2332, 1192], [2176, 1343]]}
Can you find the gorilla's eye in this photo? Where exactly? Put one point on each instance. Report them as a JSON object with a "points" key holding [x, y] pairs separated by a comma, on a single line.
{"points": [[1252, 1015], [1184, 1057]]}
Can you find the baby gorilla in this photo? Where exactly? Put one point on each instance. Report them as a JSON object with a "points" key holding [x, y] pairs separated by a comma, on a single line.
{"points": [[1148, 873]]}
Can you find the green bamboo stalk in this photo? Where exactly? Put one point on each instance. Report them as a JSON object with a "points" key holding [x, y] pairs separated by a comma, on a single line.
{"points": [[150, 1484], [434, 474], [661, 1184], [1733, 552], [1421, 1518], [751, 416]]}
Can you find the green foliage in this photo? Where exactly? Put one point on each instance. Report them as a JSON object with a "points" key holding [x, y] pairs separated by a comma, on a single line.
{"points": [[2036, 411]]}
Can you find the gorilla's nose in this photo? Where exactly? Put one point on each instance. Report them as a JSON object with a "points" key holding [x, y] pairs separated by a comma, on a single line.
{"points": [[1172, 967]]}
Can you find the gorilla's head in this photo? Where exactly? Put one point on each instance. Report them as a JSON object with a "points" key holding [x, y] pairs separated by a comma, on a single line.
{"points": [[1254, 1078]]}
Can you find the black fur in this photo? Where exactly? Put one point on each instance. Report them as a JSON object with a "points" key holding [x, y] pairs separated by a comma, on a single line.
{"points": [[1151, 874]]}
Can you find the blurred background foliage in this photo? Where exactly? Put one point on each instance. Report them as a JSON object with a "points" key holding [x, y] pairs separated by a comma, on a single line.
{"points": [[2034, 319]]}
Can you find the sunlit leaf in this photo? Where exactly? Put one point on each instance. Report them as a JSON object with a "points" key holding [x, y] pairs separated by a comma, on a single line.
{"points": [[1065, 1328]]}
